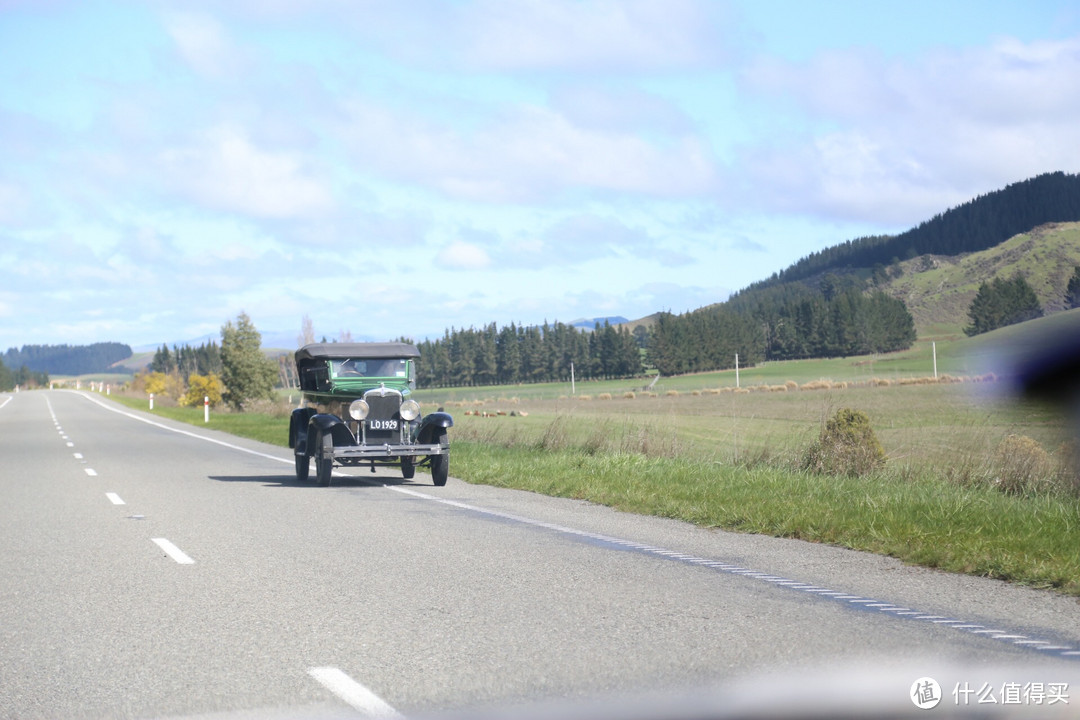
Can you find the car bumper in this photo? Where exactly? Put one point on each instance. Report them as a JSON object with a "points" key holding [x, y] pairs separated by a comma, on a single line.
{"points": [[363, 452]]}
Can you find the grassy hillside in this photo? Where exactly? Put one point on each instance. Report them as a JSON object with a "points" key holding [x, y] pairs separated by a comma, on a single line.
{"points": [[938, 290]]}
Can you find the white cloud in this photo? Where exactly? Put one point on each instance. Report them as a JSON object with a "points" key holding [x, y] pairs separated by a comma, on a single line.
{"points": [[460, 255], [902, 140], [222, 169], [202, 43], [597, 34], [14, 203], [595, 107], [526, 35], [528, 154]]}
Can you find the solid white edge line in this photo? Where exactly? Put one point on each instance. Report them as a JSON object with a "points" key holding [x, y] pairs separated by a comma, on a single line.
{"points": [[172, 551], [181, 432], [353, 693], [114, 499], [6, 401]]}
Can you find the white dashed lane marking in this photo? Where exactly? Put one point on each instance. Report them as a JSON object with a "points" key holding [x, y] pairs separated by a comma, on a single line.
{"points": [[174, 552], [353, 693]]}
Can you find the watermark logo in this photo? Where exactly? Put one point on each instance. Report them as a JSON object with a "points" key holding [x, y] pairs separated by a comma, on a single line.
{"points": [[925, 693]]}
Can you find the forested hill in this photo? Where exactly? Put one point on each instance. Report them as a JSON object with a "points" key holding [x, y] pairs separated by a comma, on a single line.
{"points": [[67, 359], [976, 225]]}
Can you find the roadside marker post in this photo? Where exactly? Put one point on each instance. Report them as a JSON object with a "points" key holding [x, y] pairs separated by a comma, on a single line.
{"points": [[151, 401], [206, 408]]}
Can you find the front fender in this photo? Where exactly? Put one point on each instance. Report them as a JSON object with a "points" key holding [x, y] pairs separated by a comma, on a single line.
{"points": [[332, 425], [298, 422], [433, 428]]}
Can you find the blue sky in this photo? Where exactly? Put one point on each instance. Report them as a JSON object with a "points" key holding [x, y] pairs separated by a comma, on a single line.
{"points": [[399, 168]]}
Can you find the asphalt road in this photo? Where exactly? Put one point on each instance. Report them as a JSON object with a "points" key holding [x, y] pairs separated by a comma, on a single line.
{"points": [[151, 569]]}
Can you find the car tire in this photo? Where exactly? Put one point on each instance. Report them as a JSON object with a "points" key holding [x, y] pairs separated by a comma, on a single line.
{"points": [[298, 441], [408, 468], [440, 469], [324, 460]]}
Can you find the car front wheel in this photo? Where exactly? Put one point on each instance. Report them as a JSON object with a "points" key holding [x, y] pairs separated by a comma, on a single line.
{"points": [[324, 460], [303, 464], [440, 469]]}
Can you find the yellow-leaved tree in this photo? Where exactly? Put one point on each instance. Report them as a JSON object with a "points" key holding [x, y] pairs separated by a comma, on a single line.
{"points": [[162, 384], [203, 386], [155, 383]]}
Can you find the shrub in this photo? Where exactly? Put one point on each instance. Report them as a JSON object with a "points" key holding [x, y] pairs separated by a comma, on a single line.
{"points": [[1021, 466], [555, 435], [847, 446], [200, 387]]}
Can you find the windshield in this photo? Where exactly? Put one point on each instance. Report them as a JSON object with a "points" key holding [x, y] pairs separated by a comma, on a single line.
{"points": [[369, 368]]}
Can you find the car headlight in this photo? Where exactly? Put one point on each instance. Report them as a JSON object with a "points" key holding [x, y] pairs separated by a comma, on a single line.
{"points": [[410, 410], [358, 409]]}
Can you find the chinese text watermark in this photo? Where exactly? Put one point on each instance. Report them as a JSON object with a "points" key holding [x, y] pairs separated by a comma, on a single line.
{"points": [[926, 693]]}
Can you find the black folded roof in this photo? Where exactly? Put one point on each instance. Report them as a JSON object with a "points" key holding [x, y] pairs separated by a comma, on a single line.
{"points": [[325, 351]]}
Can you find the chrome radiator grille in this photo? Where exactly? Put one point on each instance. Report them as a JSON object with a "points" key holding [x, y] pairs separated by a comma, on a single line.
{"points": [[383, 422]]}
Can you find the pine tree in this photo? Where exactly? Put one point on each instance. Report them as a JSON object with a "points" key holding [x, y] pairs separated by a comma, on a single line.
{"points": [[1002, 302]]}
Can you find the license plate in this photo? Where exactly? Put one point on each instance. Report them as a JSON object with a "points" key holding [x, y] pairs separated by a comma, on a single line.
{"points": [[382, 424]]}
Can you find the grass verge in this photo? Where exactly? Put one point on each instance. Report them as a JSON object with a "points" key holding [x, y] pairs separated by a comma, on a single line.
{"points": [[934, 523]]}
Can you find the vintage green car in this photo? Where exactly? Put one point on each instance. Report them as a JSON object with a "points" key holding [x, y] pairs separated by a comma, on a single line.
{"points": [[357, 410]]}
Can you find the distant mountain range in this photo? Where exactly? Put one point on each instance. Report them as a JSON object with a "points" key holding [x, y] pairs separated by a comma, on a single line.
{"points": [[593, 323]]}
